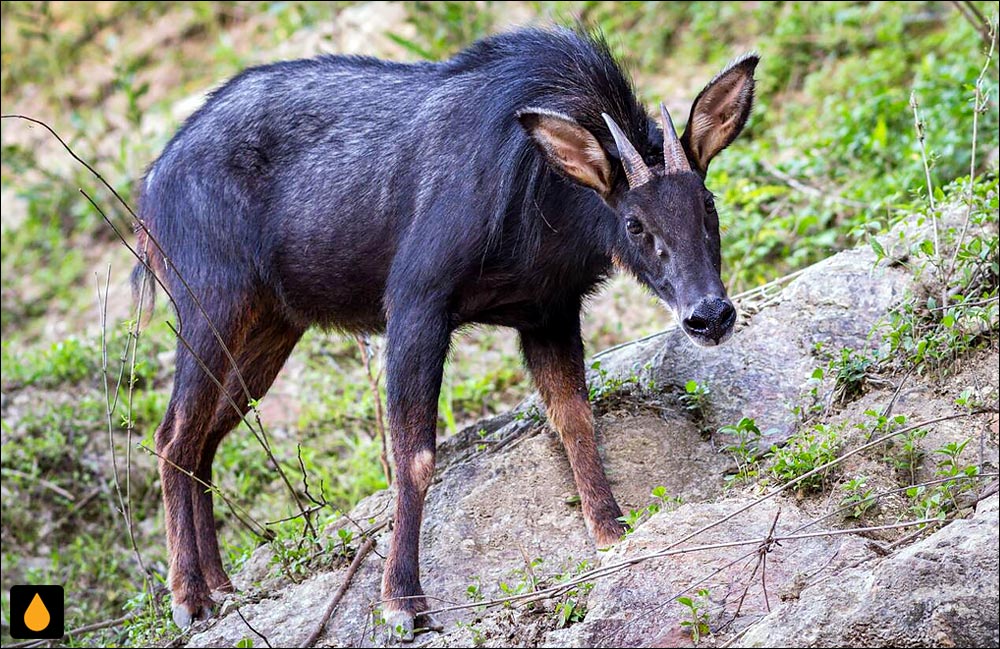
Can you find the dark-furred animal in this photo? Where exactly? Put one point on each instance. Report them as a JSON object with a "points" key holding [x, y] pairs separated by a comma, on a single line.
{"points": [[499, 187]]}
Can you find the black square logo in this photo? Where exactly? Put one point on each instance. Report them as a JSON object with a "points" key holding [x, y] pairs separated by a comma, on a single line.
{"points": [[36, 612]]}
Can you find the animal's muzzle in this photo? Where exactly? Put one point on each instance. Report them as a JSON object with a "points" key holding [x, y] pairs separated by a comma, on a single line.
{"points": [[711, 320]]}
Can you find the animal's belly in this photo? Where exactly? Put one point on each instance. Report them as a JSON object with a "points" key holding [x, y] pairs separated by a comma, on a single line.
{"points": [[333, 287]]}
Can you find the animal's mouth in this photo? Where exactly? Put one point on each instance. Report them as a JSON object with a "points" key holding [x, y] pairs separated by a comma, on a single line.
{"points": [[708, 341]]}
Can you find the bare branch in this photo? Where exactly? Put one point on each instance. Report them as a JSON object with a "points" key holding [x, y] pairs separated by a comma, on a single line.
{"points": [[362, 552], [256, 632], [919, 126], [364, 344]]}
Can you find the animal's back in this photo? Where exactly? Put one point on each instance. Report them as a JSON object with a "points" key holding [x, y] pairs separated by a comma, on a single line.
{"points": [[304, 177]]}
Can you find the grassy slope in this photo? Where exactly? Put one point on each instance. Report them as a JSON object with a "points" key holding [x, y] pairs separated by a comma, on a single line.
{"points": [[829, 156]]}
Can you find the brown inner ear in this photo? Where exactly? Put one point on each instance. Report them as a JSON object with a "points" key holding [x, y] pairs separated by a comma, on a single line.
{"points": [[709, 135], [719, 113], [575, 151]]}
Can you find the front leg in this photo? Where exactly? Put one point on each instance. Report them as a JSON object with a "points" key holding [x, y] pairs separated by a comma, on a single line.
{"points": [[554, 355], [417, 347]]}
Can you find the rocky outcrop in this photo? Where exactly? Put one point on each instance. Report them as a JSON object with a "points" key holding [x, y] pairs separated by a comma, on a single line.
{"points": [[939, 592]]}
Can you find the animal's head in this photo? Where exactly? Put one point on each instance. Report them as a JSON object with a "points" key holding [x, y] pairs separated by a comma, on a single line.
{"points": [[668, 226]]}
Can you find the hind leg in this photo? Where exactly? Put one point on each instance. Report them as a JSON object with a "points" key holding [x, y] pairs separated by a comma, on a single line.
{"points": [[262, 356], [183, 435]]}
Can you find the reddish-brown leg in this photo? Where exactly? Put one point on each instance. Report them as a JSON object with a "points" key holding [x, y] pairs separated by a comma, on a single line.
{"points": [[180, 441], [260, 358], [555, 357], [417, 347]]}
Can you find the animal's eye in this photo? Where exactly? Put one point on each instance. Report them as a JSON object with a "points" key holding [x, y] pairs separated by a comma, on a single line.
{"points": [[633, 226], [710, 203]]}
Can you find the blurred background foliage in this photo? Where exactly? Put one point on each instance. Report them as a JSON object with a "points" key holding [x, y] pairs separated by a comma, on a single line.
{"points": [[830, 155]]}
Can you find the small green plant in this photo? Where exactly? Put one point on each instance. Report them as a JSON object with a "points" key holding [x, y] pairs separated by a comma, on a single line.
{"points": [[936, 501], [474, 591], [532, 414], [697, 617], [570, 610], [878, 424], [605, 385], [948, 466], [696, 401], [661, 502], [573, 608], [695, 397], [850, 371], [523, 579], [744, 448], [815, 403], [478, 638], [969, 399], [345, 536], [804, 452], [905, 453], [857, 496]]}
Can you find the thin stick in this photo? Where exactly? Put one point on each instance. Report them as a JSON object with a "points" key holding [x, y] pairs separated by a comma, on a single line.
{"points": [[247, 522], [895, 395], [124, 502], [133, 334], [365, 347], [795, 183], [143, 260], [263, 442], [978, 106], [919, 126], [363, 551], [259, 433], [671, 549], [51, 486], [764, 548], [975, 18], [258, 633], [547, 593], [889, 492], [784, 279], [989, 300]]}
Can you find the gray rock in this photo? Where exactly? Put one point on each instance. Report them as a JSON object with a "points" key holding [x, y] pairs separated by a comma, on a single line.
{"points": [[941, 592], [636, 607]]}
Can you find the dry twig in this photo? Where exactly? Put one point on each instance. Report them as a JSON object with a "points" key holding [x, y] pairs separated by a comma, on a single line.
{"points": [[364, 344], [168, 263], [363, 551]]}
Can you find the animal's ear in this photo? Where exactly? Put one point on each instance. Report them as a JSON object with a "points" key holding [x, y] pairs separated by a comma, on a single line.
{"points": [[720, 112], [569, 148]]}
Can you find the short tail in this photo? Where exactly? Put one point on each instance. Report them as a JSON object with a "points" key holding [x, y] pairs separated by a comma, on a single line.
{"points": [[143, 283]]}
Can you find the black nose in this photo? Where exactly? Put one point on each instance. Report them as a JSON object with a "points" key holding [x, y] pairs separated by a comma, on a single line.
{"points": [[712, 318]]}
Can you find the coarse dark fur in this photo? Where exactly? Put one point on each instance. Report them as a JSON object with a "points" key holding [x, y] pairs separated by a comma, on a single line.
{"points": [[412, 199]]}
